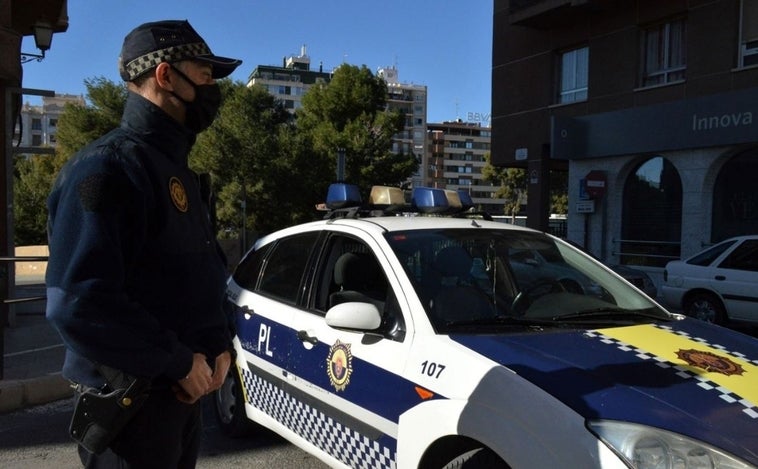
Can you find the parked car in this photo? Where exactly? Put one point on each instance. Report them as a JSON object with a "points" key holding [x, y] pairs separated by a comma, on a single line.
{"points": [[638, 278], [718, 284], [407, 340]]}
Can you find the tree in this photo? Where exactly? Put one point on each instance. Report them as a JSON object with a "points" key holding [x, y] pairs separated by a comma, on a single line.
{"points": [[81, 124], [34, 175], [559, 192], [350, 114], [513, 185], [249, 152]]}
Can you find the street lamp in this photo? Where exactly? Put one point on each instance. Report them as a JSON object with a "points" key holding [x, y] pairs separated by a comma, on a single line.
{"points": [[43, 38]]}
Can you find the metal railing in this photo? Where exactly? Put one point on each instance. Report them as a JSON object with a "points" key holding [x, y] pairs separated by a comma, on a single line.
{"points": [[7, 302], [660, 257]]}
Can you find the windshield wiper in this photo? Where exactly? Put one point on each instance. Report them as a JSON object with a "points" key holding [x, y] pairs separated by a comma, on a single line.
{"points": [[611, 313], [502, 320]]}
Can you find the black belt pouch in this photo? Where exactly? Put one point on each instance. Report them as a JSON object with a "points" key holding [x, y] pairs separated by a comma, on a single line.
{"points": [[100, 414]]}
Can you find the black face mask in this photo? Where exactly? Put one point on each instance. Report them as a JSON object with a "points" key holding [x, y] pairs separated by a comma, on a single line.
{"points": [[199, 114]]}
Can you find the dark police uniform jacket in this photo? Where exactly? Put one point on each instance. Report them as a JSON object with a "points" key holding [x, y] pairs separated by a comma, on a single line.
{"points": [[135, 278]]}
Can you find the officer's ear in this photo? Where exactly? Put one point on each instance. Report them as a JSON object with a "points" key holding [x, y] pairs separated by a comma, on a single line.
{"points": [[163, 76]]}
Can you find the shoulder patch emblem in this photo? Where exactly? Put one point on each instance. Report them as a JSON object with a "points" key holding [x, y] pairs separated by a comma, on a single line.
{"points": [[339, 365], [178, 194], [710, 362]]}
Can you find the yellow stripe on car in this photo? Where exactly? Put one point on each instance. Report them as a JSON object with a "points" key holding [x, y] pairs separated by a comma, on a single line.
{"points": [[706, 362]]}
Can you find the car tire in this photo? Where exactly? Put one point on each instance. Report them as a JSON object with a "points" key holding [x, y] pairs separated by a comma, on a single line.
{"points": [[229, 407], [477, 458], [706, 307]]}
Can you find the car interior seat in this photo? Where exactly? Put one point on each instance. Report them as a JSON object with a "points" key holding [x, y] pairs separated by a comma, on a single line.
{"points": [[359, 278], [457, 297]]}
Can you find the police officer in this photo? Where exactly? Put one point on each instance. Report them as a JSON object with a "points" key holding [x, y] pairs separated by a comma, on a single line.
{"points": [[135, 278]]}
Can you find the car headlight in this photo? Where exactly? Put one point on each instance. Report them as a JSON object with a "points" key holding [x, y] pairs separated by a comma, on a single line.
{"points": [[643, 447]]}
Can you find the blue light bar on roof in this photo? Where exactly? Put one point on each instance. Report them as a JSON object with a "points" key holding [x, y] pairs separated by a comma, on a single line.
{"points": [[429, 200], [341, 195]]}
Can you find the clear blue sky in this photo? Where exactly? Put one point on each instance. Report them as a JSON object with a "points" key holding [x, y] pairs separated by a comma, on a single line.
{"points": [[443, 44]]}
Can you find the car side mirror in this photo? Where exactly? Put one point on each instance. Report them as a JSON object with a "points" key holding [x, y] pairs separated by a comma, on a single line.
{"points": [[354, 315]]}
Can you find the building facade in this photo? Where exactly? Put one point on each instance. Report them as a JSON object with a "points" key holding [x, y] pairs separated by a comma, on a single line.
{"points": [[39, 124], [455, 156], [289, 82], [410, 100], [653, 106]]}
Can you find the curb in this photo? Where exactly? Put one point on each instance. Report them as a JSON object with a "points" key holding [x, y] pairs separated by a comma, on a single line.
{"points": [[19, 394]]}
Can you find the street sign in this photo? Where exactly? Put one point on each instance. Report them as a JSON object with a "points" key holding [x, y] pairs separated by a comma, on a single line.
{"points": [[585, 206], [595, 184]]}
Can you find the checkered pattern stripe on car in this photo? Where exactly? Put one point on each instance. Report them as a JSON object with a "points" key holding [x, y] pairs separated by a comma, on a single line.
{"points": [[750, 409], [332, 437], [146, 62]]}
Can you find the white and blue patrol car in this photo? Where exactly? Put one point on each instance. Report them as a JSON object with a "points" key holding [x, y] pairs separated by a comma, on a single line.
{"points": [[383, 337]]}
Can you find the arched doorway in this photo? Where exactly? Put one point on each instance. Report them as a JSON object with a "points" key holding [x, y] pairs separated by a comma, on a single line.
{"points": [[651, 224], [735, 197]]}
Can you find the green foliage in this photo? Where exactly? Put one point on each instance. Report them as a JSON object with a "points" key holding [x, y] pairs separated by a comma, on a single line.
{"points": [[559, 192], [79, 125], [350, 114], [33, 178], [251, 150], [261, 159], [513, 185]]}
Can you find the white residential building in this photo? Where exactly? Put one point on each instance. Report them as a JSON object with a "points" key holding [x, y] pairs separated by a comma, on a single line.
{"points": [[38, 124]]}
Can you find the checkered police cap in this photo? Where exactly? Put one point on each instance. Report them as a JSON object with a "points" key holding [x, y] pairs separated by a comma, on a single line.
{"points": [[167, 41]]}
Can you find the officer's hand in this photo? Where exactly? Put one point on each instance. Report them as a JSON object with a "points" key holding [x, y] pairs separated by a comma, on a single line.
{"points": [[196, 384], [223, 362]]}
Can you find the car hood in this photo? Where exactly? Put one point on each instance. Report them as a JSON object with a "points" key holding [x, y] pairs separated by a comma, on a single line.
{"points": [[684, 376]]}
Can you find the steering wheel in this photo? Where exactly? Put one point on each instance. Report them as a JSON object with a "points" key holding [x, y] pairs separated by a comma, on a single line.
{"points": [[542, 287]]}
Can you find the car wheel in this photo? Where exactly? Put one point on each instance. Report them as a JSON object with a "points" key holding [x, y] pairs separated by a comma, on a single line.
{"points": [[477, 458], [229, 406], [706, 307]]}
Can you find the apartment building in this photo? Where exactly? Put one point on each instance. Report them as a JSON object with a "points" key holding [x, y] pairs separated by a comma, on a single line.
{"points": [[454, 160], [38, 123], [651, 105], [289, 82], [410, 100]]}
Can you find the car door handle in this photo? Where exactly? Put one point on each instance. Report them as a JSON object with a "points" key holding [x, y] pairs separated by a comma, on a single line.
{"points": [[720, 277], [304, 337]]}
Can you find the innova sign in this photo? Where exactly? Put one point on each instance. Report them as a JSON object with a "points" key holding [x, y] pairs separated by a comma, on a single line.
{"points": [[721, 119]]}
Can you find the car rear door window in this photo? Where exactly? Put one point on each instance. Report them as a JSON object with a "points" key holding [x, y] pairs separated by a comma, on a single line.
{"points": [[706, 257], [744, 257], [284, 268]]}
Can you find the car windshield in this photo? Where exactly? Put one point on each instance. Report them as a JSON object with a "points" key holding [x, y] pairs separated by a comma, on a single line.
{"points": [[485, 278]]}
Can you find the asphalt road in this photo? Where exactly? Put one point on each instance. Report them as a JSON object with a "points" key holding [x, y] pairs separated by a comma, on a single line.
{"points": [[36, 438]]}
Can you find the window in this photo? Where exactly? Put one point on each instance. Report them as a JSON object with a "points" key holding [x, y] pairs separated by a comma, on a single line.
{"points": [[574, 75], [735, 197], [707, 257], [53, 122], [745, 257], [36, 124], [284, 268], [246, 273], [651, 226], [664, 53], [350, 272], [749, 40]]}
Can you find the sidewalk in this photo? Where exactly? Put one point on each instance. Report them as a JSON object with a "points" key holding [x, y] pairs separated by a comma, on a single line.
{"points": [[32, 356]]}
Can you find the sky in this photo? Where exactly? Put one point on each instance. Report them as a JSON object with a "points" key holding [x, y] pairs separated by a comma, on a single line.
{"points": [[445, 45]]}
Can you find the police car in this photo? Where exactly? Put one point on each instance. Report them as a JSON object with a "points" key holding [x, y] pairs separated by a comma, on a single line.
{"points": [[403, 335]]}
